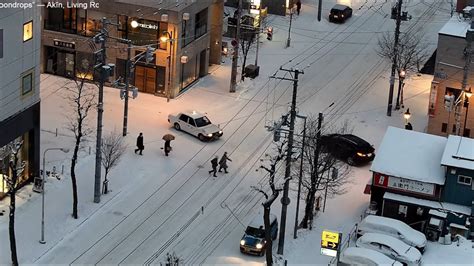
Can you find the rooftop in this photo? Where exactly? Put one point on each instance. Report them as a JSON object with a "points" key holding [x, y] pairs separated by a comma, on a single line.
{"points": [[459, 152], [411, 155], [456, 26]]}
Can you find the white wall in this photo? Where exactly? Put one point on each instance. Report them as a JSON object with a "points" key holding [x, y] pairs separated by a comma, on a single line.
{"points": [[18, 57]]}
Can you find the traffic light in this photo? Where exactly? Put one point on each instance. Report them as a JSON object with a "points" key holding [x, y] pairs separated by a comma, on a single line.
{"points": [[150, 51], [269, 33]]}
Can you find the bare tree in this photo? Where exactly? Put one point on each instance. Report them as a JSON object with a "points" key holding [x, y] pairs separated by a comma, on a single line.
{"points": [[247, 40], [317, 172], [171, 260], [80, 97], [269, 199], [112, 150], [15, 169], [410, 54]]}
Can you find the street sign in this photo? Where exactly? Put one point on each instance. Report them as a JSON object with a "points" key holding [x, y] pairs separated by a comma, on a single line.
{"points": [[330, 243]]}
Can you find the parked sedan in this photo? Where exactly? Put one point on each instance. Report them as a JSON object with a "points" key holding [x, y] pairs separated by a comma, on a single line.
{"points": [[390, 246], [196, 124], [349, 148]]}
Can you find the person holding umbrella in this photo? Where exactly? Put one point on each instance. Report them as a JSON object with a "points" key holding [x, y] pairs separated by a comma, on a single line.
{"points": [[168, 138]]}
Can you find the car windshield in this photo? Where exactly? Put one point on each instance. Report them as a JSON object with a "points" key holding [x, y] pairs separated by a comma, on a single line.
{"points": [[202, 121], [256, 232]]}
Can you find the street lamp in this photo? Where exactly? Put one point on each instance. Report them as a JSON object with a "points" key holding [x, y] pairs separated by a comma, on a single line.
{"points": [[65, 150], [134, 24], [401, 78], [166, 37], [468, 95]]}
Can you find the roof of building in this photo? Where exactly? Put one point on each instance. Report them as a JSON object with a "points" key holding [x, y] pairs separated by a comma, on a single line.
{"points": [[161, 5], [459, 152], [440, 206], [411, 155], [456, 26]]}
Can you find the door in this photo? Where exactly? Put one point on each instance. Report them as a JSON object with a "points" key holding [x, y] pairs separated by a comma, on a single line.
{"points": [[145, 79], [160, 80], [202, 63]]}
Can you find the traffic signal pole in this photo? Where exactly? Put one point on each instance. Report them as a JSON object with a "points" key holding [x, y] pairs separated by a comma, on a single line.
{"points": [[394, 59], [235, 57]]}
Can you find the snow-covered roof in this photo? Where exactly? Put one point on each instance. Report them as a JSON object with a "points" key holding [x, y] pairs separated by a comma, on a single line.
{"points": [[441, 206], [354, 255], [456, 26], [411, 155], [258, 220], [458, 226], [438, 213], [459, 152]]}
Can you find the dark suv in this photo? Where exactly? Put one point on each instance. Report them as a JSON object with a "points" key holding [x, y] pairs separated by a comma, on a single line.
{"points": [[349, 148], [339, 13]]}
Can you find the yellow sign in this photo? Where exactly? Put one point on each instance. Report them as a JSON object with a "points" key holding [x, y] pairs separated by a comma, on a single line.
{"points": [[330, 240]]}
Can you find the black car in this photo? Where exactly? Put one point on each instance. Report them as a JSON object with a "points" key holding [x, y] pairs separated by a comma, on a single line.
{"points": [[349, 148], [339, 13]]}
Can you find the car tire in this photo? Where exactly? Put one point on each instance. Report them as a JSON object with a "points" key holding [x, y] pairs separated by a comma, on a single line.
{"points": [[350, 161], [177, 126], [201, 137]]}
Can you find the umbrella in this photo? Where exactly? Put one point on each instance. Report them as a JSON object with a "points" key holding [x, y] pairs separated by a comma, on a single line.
{"points": [[168, 137]]}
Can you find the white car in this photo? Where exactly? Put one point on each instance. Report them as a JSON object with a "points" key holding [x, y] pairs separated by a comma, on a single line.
{"points": [[390, 246], [196, 124], [366, 257]]}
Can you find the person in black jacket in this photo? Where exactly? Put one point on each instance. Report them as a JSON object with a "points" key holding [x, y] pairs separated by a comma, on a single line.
{"points": [[140, 146], [298, 7], [167, 147], [223, 163], [214, 163]]}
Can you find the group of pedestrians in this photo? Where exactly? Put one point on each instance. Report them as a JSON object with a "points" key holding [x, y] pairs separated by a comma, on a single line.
{"points": [[222, 163]]}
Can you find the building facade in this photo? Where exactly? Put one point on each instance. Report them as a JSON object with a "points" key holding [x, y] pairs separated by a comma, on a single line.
{"points": [[193, 28], [416, 180], [20, 38], [448, 77]]}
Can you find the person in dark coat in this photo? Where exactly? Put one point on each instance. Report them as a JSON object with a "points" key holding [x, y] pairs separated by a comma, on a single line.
{"points": [[223, 163], [214, 163], [298, 7], [140, 146], [409, 126], [167, 147]]}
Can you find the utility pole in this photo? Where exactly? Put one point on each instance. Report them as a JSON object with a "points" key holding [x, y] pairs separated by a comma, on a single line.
{"points": [[295, 235], [285, 201], [289, 29], [102, 39], [235, 57], [467, 64], [320, 7], [127, 74], [258, 32], [394, 60]]}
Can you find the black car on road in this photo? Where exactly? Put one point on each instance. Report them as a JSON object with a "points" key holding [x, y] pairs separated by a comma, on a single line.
{"points": [[349, 148], [339, 13]]}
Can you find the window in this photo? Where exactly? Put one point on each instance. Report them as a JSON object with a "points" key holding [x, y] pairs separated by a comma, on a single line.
{"points": [[444, 127], [454, 128], [163, 27], [464, 180], [28, 31], [1, 43], [466, 132], [64, 20], [184, 118], [200, 28], [27, 82]]}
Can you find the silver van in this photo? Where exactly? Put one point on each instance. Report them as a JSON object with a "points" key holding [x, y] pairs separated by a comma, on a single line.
{"points": [[392, 227]]}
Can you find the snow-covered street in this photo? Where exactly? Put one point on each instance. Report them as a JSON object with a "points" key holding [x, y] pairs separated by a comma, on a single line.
{"points": [[160, 204]]}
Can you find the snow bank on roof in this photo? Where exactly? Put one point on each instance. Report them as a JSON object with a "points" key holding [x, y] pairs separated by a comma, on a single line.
{"points": [[458, 226], [456, 26], [350, 253], [429, 203], [411, 155], [459, 152], [438, 213]]}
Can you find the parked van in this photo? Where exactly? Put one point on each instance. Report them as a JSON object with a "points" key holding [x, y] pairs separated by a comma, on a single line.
{"points": [[392, 227], [339, 13], [253, 241], [364, 256]]}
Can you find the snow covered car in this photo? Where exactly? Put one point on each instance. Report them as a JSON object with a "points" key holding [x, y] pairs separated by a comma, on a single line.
{"points": [[390, 246], [364, 256], [392, 227], [196, 124], [253, 241]]}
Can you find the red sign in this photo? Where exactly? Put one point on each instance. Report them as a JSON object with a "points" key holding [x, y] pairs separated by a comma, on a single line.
{"points": [[380, 180]]}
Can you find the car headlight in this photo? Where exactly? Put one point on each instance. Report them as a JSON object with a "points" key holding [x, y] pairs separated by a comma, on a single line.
{"points": [[259, 246], [242, 242], [361, 154], [220, 132], [209, 135]]}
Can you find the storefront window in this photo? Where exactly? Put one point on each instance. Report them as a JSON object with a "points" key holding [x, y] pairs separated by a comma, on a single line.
{"points": [[89, 22], [85, 67], [5, 156]]}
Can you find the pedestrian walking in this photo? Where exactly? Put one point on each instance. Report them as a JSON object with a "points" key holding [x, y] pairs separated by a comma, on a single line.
{"points": [[140, 146], [298, 7], [223, 162], [214, 163], [167, 147]]}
